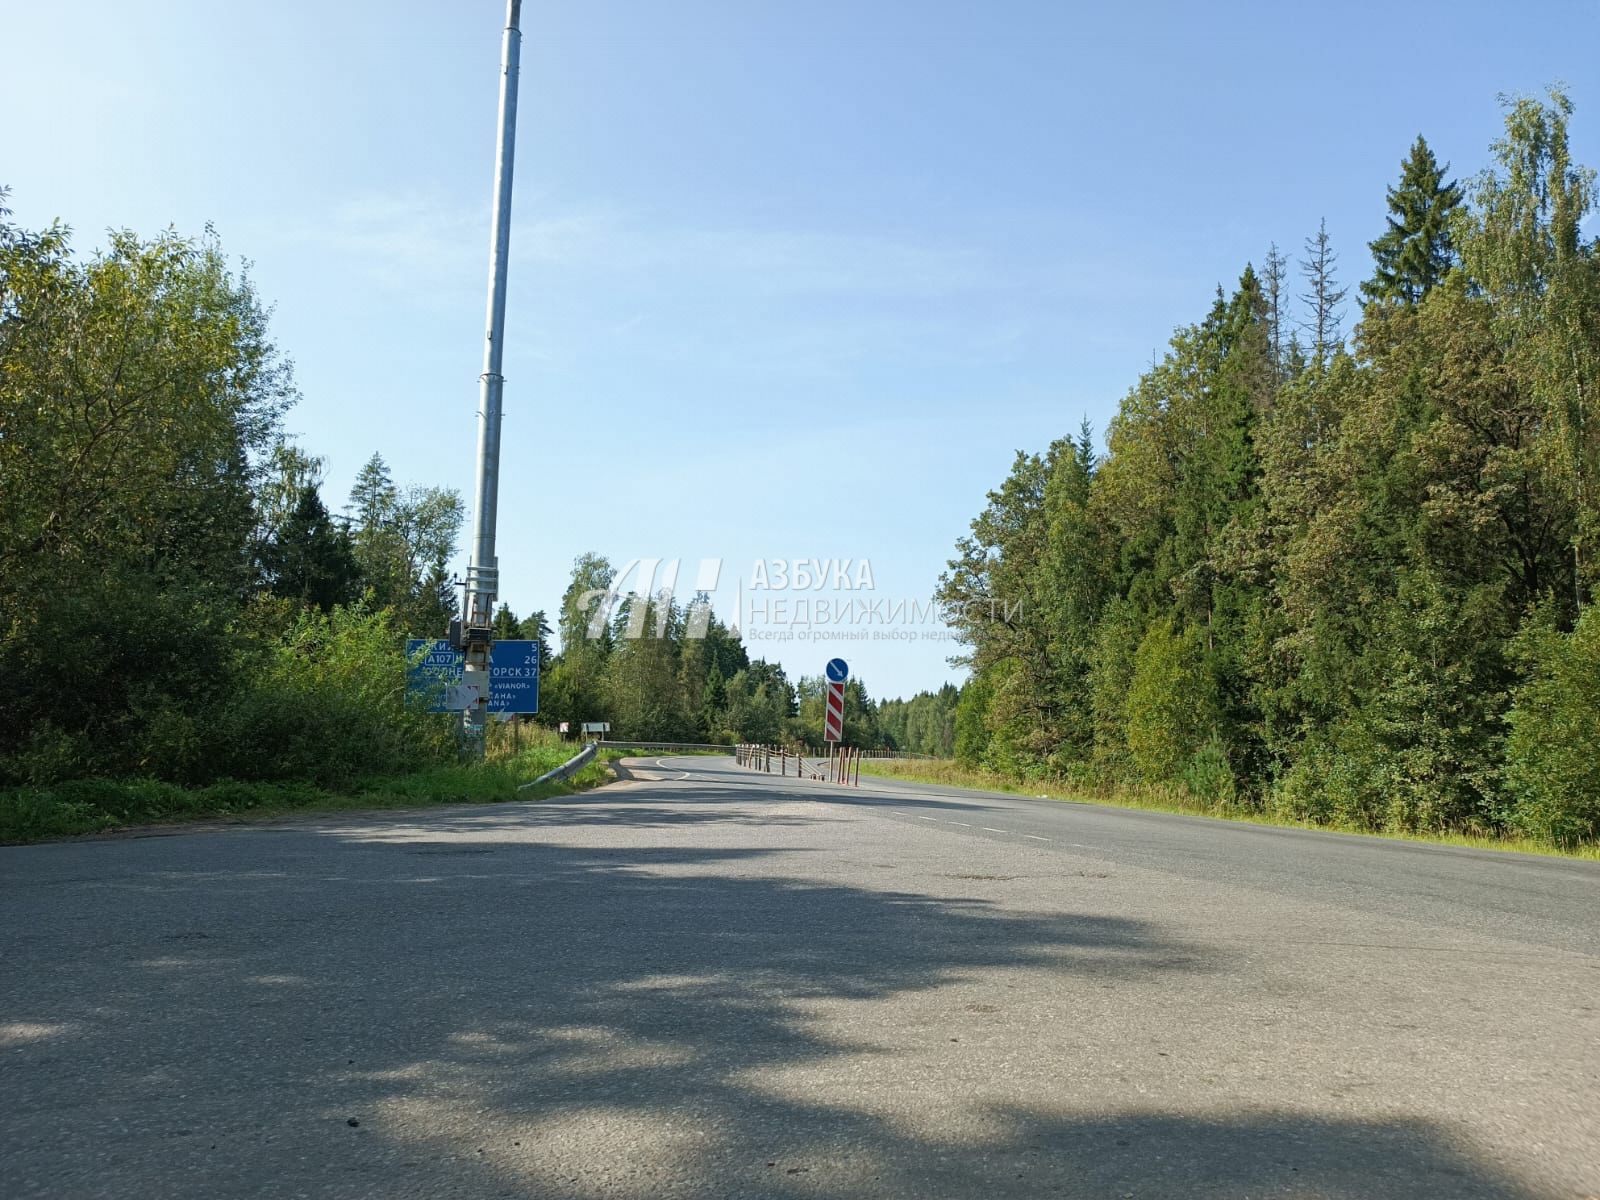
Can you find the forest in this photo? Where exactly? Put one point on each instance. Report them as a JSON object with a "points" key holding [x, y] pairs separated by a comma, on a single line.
{"points": [[1339, 579]]}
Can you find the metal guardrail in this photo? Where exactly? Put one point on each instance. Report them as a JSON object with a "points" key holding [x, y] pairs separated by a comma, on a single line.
{"points": [[625, 744], [573, 765]]}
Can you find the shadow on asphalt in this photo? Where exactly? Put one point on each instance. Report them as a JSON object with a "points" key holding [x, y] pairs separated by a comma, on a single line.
{"points": [[474, 1006]]}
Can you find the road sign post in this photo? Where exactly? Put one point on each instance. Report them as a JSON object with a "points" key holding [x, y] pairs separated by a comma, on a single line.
{"points": [[483, 567], [833, 701]]}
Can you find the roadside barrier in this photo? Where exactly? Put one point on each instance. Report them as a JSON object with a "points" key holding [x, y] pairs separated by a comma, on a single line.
{"points": [[841, 765], [573, 765], [625, 744]]}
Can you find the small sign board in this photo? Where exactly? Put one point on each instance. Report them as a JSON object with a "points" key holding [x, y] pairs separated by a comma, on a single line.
{"points": [[434, 667], [597, 727]]}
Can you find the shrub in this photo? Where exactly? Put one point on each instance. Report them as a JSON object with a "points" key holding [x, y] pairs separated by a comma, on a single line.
{"points": [[49, 755], [325, 702], [1209, 776], [1552, 769], [1171, 706]]}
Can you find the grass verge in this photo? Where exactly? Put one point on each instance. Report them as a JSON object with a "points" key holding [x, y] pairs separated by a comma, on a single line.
{"points": [[1178, 799], [32, 814]]}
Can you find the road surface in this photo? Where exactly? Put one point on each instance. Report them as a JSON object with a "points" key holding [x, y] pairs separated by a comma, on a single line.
{"points": [[705, 982]]}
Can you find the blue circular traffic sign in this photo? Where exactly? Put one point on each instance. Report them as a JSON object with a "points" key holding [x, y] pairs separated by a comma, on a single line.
{"points": [[838, 670]]}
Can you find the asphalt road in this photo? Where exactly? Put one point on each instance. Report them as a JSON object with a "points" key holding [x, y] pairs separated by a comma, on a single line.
{"points": [[707, 982]]}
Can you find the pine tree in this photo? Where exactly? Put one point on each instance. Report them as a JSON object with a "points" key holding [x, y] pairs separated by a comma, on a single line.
{"points": [[506, 624], [1277, 270], [374, 495], [309, 557], [1415, 252], [534, 628], [379, 544], [1324, 297], [433, 606]]}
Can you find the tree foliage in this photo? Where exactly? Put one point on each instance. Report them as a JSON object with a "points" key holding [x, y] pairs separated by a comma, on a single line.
{"points": [[1416, 251], [175, 598], [1305, 581]]}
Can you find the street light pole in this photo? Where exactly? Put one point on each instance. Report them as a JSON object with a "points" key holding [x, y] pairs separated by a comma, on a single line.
{"points": [[483, 567]]}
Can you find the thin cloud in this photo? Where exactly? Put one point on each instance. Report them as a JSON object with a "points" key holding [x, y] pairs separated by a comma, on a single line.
{"points": [[416, 238]]}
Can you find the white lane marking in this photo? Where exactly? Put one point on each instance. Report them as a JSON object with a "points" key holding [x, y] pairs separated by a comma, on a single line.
{"points": [[662, 763], [1036, 837], [1081, 846], [920, 817], [992, 829], [966, 824]]}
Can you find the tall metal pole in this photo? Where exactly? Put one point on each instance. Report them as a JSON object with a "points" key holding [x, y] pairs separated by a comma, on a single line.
{"points": [[483, 567]]}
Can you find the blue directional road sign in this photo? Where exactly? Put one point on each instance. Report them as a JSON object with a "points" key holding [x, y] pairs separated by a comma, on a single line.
{"points": [[433, 666], [514, 677], [838, 670]]}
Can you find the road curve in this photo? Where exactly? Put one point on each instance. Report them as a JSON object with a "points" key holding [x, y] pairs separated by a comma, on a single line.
{"points": [[704, 981]]}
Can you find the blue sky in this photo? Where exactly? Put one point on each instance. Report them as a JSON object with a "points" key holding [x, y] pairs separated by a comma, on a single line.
{"points": [[788, 281]]}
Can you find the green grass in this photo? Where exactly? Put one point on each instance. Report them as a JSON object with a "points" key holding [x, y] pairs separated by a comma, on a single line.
{"points": [[1177, 799], [32, 814]]}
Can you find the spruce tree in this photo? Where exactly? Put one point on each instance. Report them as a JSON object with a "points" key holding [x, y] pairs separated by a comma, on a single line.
{"points": [[309, 558], [506, 625], [534, 628], [1277, 270], [1415, 252], [1324, 297]]}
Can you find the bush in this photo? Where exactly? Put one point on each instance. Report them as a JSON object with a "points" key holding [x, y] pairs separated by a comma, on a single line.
{"points": [[1552, 770], [972, 729], [48, 756], [1209, 776], [1171, 705], [325, 702]]}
